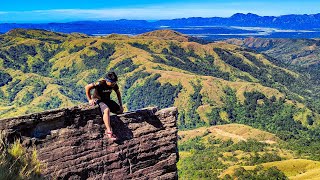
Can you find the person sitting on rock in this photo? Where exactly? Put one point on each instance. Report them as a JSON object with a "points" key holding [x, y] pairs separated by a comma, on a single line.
{"points": [[101, 96]]}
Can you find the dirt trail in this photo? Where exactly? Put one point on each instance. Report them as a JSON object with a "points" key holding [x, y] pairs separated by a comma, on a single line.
{"points": [[227, 134], [238, 137]]}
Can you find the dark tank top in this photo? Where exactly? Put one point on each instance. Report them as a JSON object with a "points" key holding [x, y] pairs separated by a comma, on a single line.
{"points": [[103, 91]]}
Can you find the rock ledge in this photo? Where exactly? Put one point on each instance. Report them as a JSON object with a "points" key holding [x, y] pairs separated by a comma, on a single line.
{"points": [[71, 143]]}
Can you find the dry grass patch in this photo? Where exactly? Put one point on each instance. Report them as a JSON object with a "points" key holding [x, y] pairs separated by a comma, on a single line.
{"points": [[235, 132]]}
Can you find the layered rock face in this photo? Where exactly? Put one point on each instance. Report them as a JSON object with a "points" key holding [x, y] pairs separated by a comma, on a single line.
{"points": [[71, 143]]}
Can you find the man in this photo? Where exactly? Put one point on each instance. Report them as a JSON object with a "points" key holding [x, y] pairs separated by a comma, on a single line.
{"points": [[101, 96]]}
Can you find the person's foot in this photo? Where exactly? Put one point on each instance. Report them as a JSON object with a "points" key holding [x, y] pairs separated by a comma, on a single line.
{"points": [[111, 136]]}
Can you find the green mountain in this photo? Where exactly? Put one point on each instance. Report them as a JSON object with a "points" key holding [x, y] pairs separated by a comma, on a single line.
{"points": [[211, 84], [44, 70], [236, 151], [302, 52], [301, 55]]}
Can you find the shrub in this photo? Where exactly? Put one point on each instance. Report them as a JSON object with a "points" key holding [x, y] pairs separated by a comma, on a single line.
{"points": [[17, 163], [4, 78]]}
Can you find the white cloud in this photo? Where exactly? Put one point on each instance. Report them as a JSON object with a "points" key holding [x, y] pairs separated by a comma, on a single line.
{"points": [[133, 13], [164, 11]]}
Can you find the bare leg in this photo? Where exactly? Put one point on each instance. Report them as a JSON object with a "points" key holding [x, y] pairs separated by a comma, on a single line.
{"points": [[106, 119]]}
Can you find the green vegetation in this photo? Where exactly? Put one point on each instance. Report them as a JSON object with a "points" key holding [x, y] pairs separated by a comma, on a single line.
{"points": [[124, 67], [76, 49], [296, 55], [53, 103], [18, 56], [17, 85], [28, 58], [101, 59], [141, 46], [258, 173], [26, 99], [248, 146], [274, 116], [131, 80], [152, 93], [17, 163], [267, 75], [189, 117], [200, 165], [14, 87], [4, 78], [40, 67], [193, 143], [178, 57], [259, 159], [207, 159], [1, 95], [73, 91], [234, 61], [211, 84], [193, 61], [68, 72]]}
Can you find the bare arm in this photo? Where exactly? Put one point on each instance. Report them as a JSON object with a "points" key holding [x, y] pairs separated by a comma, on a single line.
{"points": [[88, 89], [119, 97], [120, 101]]}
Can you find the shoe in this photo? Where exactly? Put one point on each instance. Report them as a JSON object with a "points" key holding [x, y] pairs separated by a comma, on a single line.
{"points": [[111, 136]]}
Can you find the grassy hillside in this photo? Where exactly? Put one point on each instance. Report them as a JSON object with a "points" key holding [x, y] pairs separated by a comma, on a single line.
{"points": [[215, 83], [300, 55], [303, 52], [239, 151], [211, 84], [235, 132], [293, 168], [70, 61], [207, 82]]}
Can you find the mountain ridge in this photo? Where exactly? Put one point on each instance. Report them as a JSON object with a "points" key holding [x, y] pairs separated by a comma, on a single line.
{"points": [[75, 55], [293, 22], [297, 50], [211, 84]]}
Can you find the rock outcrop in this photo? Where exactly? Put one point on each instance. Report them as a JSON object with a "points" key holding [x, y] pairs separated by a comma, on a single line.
{"points": [[71, 143]]}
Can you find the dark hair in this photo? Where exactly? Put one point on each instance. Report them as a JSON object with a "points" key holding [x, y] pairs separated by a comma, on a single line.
{"points": [[112, 76]]}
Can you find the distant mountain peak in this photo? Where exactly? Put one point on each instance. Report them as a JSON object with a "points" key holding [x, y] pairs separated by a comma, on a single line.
{"points": [[117, 36], [20, 31], [35, 33], [245, 16], [163, 33], [166, 34]]}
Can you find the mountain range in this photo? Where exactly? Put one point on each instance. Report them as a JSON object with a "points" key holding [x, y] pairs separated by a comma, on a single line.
{"points": [[299, 54], [214, 83], [68, 61], [280, 26], [250, 20]]}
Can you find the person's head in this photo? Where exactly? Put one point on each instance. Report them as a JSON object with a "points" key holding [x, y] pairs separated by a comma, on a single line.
{"points": [[111, 78]]}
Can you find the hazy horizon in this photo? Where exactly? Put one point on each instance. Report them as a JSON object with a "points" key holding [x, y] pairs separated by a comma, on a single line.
{"points": [[68, 11]]}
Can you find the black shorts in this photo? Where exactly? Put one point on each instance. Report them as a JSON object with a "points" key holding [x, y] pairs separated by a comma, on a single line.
{"points": [[112, 105]]}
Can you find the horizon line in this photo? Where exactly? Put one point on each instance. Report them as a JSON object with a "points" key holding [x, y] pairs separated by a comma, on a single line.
{"points": [[138, 19]]}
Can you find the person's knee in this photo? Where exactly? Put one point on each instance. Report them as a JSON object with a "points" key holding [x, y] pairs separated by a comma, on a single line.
{"points": [[106, 111]]}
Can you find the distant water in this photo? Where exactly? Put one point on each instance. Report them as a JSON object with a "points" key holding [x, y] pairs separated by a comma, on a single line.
{"points": [[214, 32], [223, 32]]}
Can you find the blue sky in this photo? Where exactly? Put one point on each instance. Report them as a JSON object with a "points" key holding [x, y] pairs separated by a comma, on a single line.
{"points": [[72, 10]]}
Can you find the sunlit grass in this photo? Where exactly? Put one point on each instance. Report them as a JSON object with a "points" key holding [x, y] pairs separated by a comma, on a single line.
{"points": [[18, 163]]}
